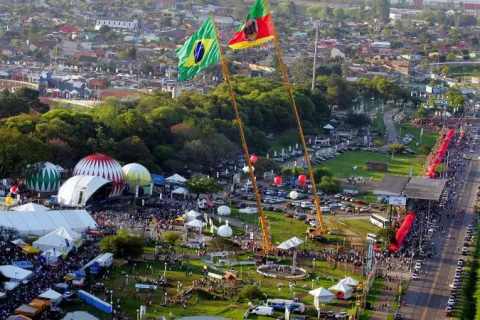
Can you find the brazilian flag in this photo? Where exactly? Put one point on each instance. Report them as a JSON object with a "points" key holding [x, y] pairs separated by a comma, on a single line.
{"points": [[199, 51]]}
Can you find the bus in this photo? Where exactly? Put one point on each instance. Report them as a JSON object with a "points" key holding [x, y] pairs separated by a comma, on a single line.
{"points": [[379, 221]]}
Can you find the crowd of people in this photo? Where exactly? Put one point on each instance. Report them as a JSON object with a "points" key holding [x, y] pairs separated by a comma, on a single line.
{"points": [[44, 276]]}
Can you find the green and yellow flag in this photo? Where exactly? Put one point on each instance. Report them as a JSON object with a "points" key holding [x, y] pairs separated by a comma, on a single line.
{"points": [[198, 52]]}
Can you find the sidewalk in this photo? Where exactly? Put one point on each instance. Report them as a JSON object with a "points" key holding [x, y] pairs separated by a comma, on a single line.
{"points": [[385, 300]]}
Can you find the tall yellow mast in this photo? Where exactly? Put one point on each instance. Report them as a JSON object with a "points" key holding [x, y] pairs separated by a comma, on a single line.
{"points": [[266, 238]]}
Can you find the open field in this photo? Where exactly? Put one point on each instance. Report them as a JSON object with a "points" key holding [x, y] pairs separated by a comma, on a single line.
{"points": [[342, 166], [213, 304], [429, 137]]}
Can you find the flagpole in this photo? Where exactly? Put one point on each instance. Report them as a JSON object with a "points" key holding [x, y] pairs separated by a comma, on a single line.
{"points": [[288, 86], [266, 239]]}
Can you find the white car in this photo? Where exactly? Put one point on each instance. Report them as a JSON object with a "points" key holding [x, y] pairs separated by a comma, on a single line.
{"points": [[451, 302], [460, 263], [414, 276], [341, 315]]}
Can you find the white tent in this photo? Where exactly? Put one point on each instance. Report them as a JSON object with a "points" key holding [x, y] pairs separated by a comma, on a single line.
{"points": [[195, 224], [52, 241], [290, 243], [248, 210], [78, 189], [18, 241], [15, 274], [41, 223], [51, 295], [223, 211], [349, 281], [180, 190], [341, 287], [176, 178], [31, 207], [79, 315], [7, 286], [328, 127], [322, 295], [68, 234], [51, 255]]}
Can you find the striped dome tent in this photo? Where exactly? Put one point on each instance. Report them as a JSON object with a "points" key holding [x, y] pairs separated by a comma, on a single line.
{"points": [[101, 165], [43, 177], [136, 175]]}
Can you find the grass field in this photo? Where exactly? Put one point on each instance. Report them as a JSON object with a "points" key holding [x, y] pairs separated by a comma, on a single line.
{"points": [[372, 297], [342, 165], [362, 227], [323, 275], [429, 137]]}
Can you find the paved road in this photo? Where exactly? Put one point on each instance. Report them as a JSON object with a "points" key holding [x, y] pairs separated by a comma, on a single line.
{"points": [[427, 297], [390, 127]]}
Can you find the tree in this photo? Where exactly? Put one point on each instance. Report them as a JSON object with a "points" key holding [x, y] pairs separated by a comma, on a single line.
{"points": [[122, 245], [387, 235], [172, 237], [423, 149], [16, 42], [339, 13], [358, 120], [19, 150], [203, 185], [446, 71], [265, 165], [396, 148], [105, 29], [289, 172], [319, 173], [251, 293], [451, 57], [329, 185], [302, 69]]}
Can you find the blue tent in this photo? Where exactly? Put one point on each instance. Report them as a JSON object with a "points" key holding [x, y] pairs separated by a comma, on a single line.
{"points": [[80, 273], [23, 264]]}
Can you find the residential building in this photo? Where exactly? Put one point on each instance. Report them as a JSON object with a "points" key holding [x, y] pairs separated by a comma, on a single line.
{"points": [[117, 24]]}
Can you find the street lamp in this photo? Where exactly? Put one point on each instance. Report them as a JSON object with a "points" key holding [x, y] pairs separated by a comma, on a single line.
{"points": [[312, 283], [165, 272], [166, 298], [111, 297], [313, 262], [138, 314]]}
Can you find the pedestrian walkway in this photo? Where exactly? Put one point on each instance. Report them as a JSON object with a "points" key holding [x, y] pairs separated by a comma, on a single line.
{"points": [[384, 304]]}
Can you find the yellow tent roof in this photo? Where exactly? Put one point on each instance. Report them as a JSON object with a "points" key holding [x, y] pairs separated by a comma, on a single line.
{"points": [[180, 219], [30, 250]]}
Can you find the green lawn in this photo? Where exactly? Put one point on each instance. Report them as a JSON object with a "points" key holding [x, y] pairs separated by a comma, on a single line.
{"points": [[429, 137], [323, 275], [342, 165], [372, 297], [362, 227], [284, 140]]}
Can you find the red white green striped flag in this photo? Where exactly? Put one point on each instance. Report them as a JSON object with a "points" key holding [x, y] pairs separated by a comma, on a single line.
{"points": [[257, 29]]}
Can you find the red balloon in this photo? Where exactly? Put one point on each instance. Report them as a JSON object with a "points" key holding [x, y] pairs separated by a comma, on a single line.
{"points": [[277, 180], [302, 178], [14, 189], [253, 159]]}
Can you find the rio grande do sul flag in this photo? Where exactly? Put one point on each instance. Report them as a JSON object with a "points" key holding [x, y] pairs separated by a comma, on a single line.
{"points": [[199, 51], [257, 29]]}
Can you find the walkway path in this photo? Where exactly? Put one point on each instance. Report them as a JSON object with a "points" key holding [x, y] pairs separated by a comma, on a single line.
{"points": [[390, 127]]}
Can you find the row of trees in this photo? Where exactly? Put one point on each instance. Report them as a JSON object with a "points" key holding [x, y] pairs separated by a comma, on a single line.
{"points": [[193, 132]]}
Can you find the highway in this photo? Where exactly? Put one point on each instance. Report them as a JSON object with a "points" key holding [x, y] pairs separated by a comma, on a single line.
{"points": [[426, 298]]}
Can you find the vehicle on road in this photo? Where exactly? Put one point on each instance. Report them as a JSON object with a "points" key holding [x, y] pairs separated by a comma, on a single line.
{"points": [[414, 276], [379, 221]]}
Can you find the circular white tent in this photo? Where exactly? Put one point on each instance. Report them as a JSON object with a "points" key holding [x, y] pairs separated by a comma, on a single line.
{"points": [[225, 231], [224, 211]]}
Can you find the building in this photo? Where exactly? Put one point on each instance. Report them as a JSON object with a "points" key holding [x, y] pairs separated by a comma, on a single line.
{"points": [[221, 21], [117, 24]]}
